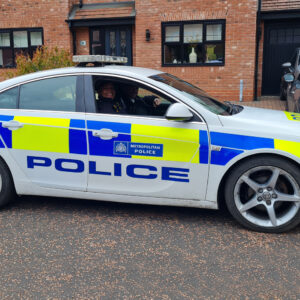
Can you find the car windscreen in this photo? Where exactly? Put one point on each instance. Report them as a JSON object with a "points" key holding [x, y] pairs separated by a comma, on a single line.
{"points": [[194, 93]]}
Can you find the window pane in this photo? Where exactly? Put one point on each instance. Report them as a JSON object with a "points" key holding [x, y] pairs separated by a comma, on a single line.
{"points": [[6, 58], [4, 39], [193, 54], [97, 49], [8, 99], [172, 34], [19, 51], [123, 42], [193, 33], [172, 54], [96, 35], [214, 53], [112, 43], [20, 39], [36, 38], [214, 32], [50, 94]]}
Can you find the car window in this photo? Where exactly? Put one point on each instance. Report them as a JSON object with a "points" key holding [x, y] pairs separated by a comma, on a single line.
{"points": [[193, 93], [9, 98], [130, 98], [58, 94]]}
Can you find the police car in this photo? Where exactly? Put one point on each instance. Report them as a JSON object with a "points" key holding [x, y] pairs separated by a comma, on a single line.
{"points": [[191, 150]]}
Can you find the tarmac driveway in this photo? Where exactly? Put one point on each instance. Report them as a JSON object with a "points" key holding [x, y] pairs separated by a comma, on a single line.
{"points": [[60, 249]]}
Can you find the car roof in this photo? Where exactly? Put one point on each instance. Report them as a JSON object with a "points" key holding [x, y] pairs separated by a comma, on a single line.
{"points": [[135, 72]]}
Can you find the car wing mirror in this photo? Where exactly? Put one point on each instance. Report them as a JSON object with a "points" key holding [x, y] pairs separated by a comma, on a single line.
{"points": [[288, 77], [178, 112], [286, 65]]}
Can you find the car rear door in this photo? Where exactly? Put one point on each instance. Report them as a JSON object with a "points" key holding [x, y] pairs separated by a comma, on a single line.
{"points": [[46, 135]]}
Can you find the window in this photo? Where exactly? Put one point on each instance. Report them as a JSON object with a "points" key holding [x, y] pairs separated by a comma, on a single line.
{"points": [[193, 43], [16, 41], [9, 98], [193, 93], [114, 96], [58, 94]]}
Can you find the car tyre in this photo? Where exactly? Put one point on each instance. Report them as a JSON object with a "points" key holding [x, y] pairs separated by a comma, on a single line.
{"points": [[263, 194], [7, 190]]}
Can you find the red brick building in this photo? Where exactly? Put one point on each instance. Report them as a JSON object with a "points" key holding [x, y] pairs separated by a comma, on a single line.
{"points": [[215, 44]]}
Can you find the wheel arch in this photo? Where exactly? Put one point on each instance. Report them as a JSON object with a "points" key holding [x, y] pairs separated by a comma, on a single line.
{"points": [[220, 195]]}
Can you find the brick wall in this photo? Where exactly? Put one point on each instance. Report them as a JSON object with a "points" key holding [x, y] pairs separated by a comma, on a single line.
{"points": [[49, 14], [270, 5], [222, 82]]}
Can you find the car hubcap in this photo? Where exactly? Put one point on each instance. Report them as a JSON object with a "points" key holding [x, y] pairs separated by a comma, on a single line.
{"points": [[267, 196]]}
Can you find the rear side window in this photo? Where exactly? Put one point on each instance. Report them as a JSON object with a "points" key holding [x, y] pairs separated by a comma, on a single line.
{"points": [[58, 94], [9, 98]]}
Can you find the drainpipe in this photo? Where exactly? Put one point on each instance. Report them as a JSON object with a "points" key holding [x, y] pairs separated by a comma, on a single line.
{"points": [[258, 36], [80, 3]]}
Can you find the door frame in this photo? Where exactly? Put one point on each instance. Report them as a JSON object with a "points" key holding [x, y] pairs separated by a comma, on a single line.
{"points": [[104, 29]]}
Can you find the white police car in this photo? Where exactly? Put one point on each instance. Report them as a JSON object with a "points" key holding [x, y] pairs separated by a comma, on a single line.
{"points": [[188, 151]]}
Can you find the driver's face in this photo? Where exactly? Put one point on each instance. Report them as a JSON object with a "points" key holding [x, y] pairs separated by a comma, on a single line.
{"points": [[131, 91]]}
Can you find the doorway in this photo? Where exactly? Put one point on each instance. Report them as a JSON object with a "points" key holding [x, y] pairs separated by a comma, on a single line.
{"points": [[112, 40], [281, 40]]}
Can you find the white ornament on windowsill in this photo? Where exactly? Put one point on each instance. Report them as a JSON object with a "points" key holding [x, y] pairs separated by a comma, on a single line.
{"points": [[193, 56]]}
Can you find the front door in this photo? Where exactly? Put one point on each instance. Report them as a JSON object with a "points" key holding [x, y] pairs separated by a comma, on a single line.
{"points": [[146, 155], [112, 40]]}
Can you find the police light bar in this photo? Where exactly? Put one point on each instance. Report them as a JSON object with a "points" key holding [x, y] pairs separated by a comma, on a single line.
{"points": [[97, 60]]}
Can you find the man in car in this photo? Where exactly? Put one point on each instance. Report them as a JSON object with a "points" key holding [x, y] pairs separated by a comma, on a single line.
{"points": [[136, 105], [108, 100]]}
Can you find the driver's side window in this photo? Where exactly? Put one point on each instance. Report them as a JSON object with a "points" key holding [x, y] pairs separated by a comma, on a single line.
{"points": [[129, 98]]}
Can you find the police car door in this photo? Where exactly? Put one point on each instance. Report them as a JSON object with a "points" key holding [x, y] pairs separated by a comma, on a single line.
{"points": [[46, 136], [146, 155]]}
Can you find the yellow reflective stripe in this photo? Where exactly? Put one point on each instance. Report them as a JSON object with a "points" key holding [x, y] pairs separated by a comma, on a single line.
{"points": [[292, 116], [179, 144], [43, 121], [287, 146], [46, 137]]}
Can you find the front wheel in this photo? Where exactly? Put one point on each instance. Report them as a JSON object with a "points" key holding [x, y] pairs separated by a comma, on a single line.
{"points": [[263, 194]]}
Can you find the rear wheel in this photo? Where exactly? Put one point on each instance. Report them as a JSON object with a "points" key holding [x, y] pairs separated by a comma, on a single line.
{"points": [[7, 190], [263, 194]]}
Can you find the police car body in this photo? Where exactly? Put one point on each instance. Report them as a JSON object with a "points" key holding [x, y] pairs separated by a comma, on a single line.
{"points": [[199, 153]]}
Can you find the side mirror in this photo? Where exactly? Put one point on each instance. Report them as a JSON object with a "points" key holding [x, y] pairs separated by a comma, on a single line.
{"points": [[288, 77], [286, 65], [178, 112]]}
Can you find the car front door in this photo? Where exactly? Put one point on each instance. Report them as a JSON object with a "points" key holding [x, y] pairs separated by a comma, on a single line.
{"points": [[46, 135], [147, 156]]}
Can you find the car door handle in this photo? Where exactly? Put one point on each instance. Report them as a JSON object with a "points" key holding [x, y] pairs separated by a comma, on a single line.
{"points": [[105, 134], [12, 125]]}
